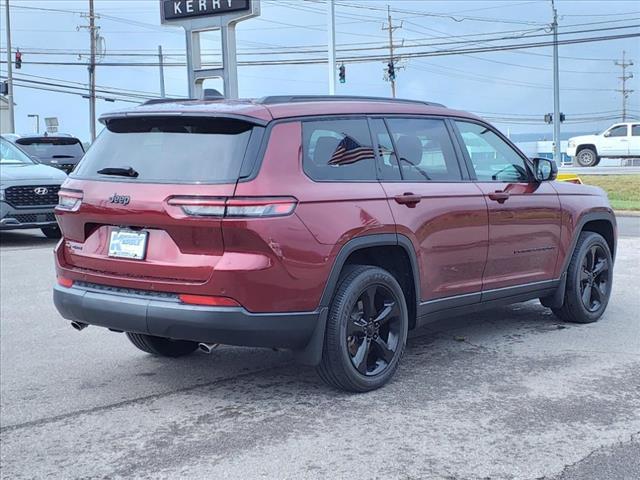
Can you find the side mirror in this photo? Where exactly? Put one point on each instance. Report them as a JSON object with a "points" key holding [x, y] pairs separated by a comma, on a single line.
{"points": [[606, 134], [544, 169]]}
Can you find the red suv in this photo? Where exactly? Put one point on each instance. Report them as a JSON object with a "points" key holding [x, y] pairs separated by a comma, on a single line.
{"points": [[330, 226]]}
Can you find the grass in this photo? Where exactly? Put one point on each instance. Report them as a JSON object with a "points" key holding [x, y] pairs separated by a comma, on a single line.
{"points": [[623, 190]]}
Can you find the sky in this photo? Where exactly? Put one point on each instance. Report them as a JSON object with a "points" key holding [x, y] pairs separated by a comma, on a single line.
{"points": [[512, 89]]}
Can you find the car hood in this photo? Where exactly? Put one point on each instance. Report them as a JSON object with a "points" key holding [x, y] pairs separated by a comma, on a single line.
{"points": [[11, 172], [584, 138]]}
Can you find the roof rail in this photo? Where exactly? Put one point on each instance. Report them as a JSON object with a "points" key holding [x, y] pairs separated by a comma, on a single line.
{"points": [[273, 99]]}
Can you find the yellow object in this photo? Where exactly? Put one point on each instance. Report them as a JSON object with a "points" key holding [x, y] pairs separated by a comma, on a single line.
{"points": [[568, 177]]}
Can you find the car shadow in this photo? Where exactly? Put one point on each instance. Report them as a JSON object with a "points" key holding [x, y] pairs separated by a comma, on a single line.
{"points": [[484, 330], [25, 238]]}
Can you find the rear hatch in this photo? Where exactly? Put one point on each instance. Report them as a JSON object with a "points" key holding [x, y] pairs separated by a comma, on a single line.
{"points": [[141, 206], [60, 152]]}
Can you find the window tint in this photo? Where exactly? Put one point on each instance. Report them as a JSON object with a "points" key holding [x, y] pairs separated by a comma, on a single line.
{"points": [[382, 140], [493, 159], [169, 149], [424, 149], [338, 150], [635, 130], [619, 131]]}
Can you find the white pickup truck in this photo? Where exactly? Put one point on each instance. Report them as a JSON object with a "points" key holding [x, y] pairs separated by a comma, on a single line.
{"points": [[618, 141]]}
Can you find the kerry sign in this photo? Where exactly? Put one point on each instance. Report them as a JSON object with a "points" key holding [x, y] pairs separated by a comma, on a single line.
{"points": [[177, 9]]}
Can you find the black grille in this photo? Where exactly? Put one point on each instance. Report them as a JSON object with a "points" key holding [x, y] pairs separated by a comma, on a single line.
{"points": [[34, 217], [25, 196]]}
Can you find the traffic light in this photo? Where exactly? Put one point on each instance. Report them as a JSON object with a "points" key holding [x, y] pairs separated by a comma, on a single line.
{"points": [[562, 117], [548, 118], [4, 88], [18, 60], [391, 71], [342, 74]]}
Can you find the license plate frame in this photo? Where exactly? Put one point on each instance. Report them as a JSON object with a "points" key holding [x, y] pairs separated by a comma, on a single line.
{"points": [[128, 244]]}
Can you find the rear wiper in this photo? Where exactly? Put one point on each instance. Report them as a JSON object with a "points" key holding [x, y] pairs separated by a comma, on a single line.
{"points": [[121, 171], [61, 156]]}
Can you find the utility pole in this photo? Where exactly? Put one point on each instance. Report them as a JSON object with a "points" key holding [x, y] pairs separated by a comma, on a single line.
{"points": [[331, 46], [625, 92], [12, 124], [391, 72], [161, 64], [92, 72], [92, 68], [557, 156]]}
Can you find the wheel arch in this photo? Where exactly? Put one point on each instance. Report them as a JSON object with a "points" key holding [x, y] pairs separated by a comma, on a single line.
{"points": [[582, 146], [393, 252], [603, 223]]}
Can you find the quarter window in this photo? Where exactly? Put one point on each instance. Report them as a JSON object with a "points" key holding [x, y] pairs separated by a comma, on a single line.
{"points": [[492, 158], [635, 130], [424, 150], [338, 150]]}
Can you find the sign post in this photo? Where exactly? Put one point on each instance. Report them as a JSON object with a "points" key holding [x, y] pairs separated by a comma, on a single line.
{"points": [[197, 16]]}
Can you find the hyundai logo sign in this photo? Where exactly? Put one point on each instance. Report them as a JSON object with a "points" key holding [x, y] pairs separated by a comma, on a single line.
{"points": [[41, 190], [175, 9]]}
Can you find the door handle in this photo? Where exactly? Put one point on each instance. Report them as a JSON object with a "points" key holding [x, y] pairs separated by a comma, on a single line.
{"points": [[499, 196], [409, 199]]}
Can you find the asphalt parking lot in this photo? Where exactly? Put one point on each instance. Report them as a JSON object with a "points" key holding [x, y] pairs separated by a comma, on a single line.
{"points": [[509, 393]]}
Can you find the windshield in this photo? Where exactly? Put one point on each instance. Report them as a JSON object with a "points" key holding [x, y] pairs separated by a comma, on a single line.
{"points": [[10, 154], [52, 147], [168, 150]]}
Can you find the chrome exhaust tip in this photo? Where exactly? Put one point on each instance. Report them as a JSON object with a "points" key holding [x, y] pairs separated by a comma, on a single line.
{"points": [[79, 325], [207, 347]]}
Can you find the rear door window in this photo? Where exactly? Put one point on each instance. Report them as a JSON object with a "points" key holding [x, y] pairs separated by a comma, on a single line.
{"points": [[170, 150], [424, 149], [338, 150]]}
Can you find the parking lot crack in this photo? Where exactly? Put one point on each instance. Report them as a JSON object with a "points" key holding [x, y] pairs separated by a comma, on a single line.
{"points": [[132, 401]]}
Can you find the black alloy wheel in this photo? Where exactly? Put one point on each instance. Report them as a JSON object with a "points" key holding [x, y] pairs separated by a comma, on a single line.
{"points": [[589, 280], [373, 331], [594, 278], [366, 330]]}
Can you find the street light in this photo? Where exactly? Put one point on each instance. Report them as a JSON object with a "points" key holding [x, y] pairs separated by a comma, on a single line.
{"points": [[37, 117]]}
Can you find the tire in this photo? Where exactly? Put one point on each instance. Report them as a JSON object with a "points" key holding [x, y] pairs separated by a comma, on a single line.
{"points": [[587, 157], [163, 347], [51, 232], [590, 270], [359, 354]]}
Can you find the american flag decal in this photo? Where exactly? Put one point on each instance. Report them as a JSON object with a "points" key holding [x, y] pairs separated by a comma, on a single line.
{"points": [[349, 151]]}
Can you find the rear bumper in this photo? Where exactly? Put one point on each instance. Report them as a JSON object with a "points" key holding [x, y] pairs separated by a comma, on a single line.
{"points": [[168, 317]]}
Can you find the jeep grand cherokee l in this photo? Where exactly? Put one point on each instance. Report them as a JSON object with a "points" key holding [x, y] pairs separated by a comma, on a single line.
{"points": [[329, 226]]}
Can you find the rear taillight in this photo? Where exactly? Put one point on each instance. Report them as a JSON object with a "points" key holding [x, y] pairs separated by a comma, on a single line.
{"points": [[237, 207], [208, 300], [200, 206], [69, 200], [260, 207]]}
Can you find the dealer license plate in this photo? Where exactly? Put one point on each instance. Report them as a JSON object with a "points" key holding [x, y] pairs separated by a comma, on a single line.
{"points": [[128, 244]]}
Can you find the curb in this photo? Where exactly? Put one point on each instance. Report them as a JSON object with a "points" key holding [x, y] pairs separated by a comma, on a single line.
{"points": [[627, 213]]}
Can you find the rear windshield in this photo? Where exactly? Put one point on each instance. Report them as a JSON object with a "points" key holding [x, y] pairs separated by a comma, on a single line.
{"points": [[169, 150], [52, 147]]}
